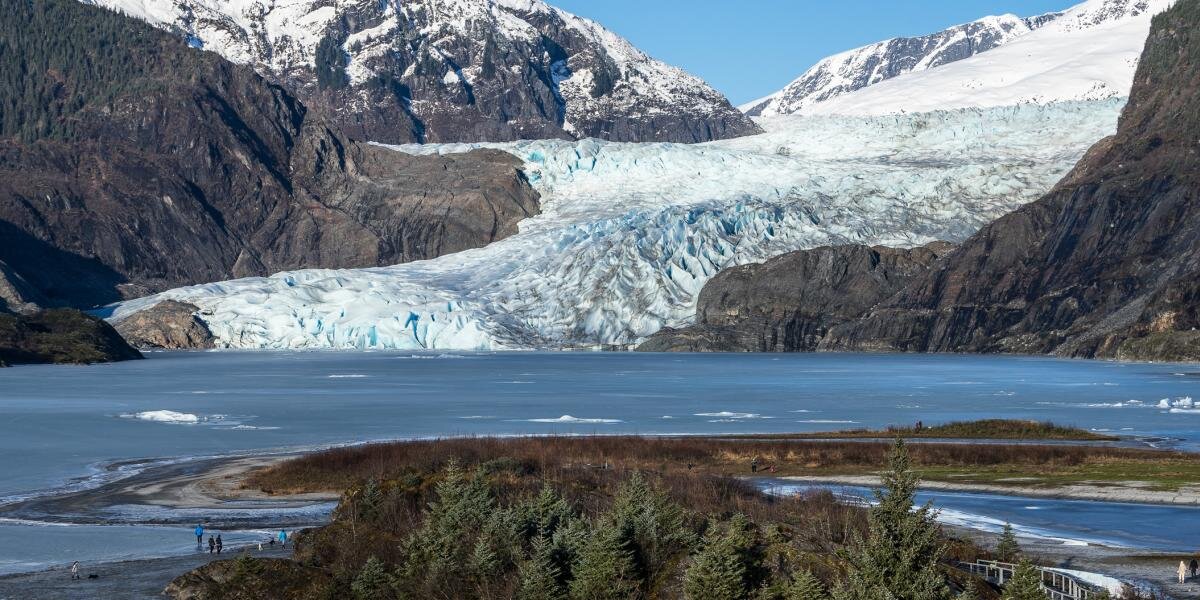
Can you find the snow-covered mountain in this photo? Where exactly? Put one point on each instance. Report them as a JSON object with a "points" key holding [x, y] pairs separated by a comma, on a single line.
{"points": [[630, 233], [454, 70], [1088, 52], [861, 67]]}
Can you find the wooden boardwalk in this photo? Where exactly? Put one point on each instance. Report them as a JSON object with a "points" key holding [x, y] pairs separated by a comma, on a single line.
{"points": [[1058, 586]]}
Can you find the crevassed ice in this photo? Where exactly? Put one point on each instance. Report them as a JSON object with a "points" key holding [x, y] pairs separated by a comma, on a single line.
{"points": [[631, 232]]}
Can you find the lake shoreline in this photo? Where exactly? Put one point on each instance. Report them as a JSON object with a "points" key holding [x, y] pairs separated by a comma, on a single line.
{"points": [[1110, 494], [174, 493]]}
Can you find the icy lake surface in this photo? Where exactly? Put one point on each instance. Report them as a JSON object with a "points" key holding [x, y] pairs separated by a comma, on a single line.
{"points": [[78, 426]]}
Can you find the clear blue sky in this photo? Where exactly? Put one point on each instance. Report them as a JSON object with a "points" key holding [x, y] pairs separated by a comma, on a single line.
{"points": [[750, 48]]}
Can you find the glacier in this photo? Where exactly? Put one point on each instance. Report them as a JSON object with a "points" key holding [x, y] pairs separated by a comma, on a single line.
{"points": [[630, 232]]}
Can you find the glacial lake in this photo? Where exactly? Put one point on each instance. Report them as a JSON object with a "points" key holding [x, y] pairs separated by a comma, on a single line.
{"points": [[64, 427]]}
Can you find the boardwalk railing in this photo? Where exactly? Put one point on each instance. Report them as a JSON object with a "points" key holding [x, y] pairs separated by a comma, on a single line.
{"points": [[1058, 586]]}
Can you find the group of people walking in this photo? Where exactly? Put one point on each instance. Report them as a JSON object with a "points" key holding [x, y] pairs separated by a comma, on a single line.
{"points": [[1186, 568], [216, 544]]}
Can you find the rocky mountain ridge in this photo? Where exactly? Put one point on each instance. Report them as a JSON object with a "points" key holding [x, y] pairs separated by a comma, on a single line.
{"points": [[856, 69], [454, 70], [1087, 51], [142, 164]]}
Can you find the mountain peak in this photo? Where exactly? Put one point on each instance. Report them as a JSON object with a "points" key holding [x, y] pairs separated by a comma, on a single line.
{"points": [[993, 61], [455, 70]]}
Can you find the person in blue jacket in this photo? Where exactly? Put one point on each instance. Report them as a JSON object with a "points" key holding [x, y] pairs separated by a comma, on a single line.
{"points": [[283, 538], [199, 535]]}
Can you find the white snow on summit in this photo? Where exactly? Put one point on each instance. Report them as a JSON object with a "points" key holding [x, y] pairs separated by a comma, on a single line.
{"points": [[1089, 53], [856, 69], [631, 232], [600, 76]]}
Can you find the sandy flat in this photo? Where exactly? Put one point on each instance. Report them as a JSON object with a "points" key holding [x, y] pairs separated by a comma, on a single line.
{"points": [[209, 484]]}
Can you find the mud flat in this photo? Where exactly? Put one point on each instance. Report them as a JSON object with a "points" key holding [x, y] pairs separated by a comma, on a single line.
{"points": [[207, 490]]}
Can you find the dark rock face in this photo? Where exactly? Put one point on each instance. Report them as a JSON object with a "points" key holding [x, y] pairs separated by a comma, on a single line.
{"points": [[168, 325], [60, 336], [179, 168], [1107, 264], [789, 303]]}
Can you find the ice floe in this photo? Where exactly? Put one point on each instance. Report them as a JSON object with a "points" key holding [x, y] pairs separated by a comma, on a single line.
{"points": [[574, 420]]}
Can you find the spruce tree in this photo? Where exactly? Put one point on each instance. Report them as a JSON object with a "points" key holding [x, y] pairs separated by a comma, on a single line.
{"points": [[717, 571], [656, 528], [444, 554], [971, 592], [605, 569], [1007, 549], [540, 576], [372, 582], [805, 586], [899, 559], [1026, 584]]}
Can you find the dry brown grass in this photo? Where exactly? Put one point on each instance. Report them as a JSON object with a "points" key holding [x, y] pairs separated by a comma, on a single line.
{"points": [[338, 469]]}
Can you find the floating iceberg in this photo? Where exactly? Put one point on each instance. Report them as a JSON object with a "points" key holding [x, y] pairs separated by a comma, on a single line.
{"points": [[574, 420], [164, 416]]}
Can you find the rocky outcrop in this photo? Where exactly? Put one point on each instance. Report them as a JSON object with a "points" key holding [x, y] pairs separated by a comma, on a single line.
{"points": [[159, 166], [60, 336], [1107, 264], [168, 325], [789, 303], [16, 295], [455, 70], [247, 578]]}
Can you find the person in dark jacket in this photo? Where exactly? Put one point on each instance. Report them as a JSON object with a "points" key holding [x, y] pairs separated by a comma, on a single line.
{"points": [[220, 544], [1195, 566], [212, 544]]}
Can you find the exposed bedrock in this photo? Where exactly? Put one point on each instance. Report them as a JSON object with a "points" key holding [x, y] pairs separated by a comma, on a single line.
{"points": [[789, 303]]}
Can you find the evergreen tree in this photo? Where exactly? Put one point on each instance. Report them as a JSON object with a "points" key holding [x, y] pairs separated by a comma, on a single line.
{"points": [[899, 559], [1007, 549], [605, 570], [1026, 584], [656, 528], [540, 576], [971, 592], [717, 571], [805, 586], [372, 582], [444, 553]]}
